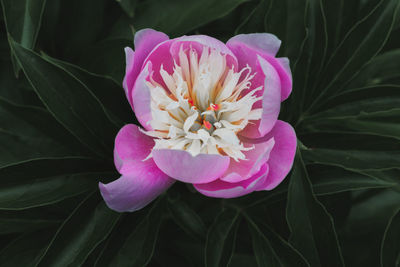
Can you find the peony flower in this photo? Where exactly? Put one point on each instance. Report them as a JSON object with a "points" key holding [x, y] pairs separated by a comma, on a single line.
{"points": [[209, 117]]}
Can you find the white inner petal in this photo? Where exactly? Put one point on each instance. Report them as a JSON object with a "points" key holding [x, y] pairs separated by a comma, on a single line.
{"points": [[201, 108]]}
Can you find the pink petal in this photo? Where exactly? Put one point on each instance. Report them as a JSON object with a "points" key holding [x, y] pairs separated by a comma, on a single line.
{"points": [[141, 97], [223, 189], [255, 159], [197, 42], [271, 102], [261, 42], [141, 181], [133, 191], [282, 155], [246, 47], [145, 41], [182, 166]]}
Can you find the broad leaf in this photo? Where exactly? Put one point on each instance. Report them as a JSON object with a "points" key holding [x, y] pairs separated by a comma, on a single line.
{"points": [[363, 42], [138, 248], [81, 232], [332, 180], [46, 181], [178, 17], [390, 252], [110, 94], [70, 101], [311, 226], [23, 20], [272, 250], [187, 219], [27, 220], [31, 132], [216, 243], [26, 249], [355, 159]]}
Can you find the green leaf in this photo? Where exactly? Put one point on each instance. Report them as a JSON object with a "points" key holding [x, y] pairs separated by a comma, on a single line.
{"points": [[383, 123], [364, 41], [107, 57], [270, 249], [390, 251], [78, 25], [128, 6], [187, 219], [216, 243], [311, 226], [23, 20], [108, 92], [27, 220], [366, 224], [70, 102], [26, 249], [359, 101], [82, 231], [314, 52], [254, 21], [354, 159], [177, 17], [138, 248], [46, 181], [331, 180], [382, 69], [31, 132]]}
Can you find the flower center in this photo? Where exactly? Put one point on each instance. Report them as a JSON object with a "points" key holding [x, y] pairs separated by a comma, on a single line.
{"points": [[202, 105]]}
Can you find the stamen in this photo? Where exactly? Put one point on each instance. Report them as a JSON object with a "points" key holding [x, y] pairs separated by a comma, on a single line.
{"points": [[207, 124], [184, 110]]}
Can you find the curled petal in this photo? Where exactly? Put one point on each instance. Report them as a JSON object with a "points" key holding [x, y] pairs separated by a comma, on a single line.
{"points": [[141, 97], [141, 181], [262, 42], [182, 166], [145, 41], [246, 47], [271, 102], [282, 155], [224, 189], [135, 189], [244, 169]]}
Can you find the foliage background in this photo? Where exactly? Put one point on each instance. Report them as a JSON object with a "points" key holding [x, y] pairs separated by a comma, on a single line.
{"points": [[61, 104]]}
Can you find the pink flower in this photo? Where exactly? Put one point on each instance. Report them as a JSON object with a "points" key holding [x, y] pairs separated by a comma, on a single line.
{"points": [[209, 115]]}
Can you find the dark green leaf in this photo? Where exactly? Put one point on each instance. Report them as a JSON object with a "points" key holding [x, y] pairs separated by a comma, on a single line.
{"points": [[365, 226], [71, 103], [331, 180], [390, 252], [311, 226], [107, 58], [128, 6], [45, 181], [363, 42], [254, 22], [30, 132], [83, 230], [23, 20], [270, 249], [26, 250], [382, 69], [110, 94], [187, 219], [216, 243], [138, 248], [27, 220], [383, 123], [177, 17], [354, 159]]}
